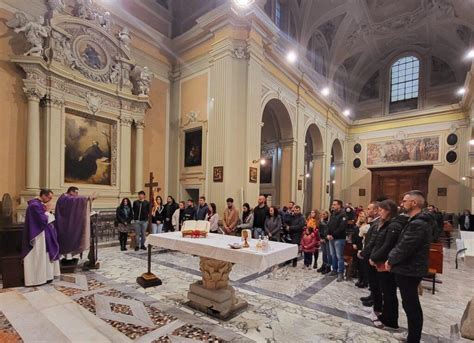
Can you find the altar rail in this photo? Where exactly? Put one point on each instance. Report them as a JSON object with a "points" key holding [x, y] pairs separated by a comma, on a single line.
{"points": [[104, 226]]}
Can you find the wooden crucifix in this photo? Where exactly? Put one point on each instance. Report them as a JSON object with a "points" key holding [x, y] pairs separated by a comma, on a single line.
{"points": [[149, 279]]}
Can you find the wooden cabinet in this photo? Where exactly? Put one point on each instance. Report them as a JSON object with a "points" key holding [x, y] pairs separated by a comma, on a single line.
{"points": [[11, 262], [393, 182]]}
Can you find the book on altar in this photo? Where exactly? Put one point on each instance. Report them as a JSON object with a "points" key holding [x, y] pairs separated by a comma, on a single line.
{"points": [[192, 227]]}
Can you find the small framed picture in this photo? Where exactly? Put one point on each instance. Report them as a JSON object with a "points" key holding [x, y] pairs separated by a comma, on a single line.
{"points": [[442, 192], [253, 173], [218, 174], [300, 185], [362, 192]]}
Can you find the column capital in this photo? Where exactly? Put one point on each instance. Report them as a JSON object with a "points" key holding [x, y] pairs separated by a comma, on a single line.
{"points": [[318, 155], [126, 121], [33, 93], [139, 124], [56, 101]]}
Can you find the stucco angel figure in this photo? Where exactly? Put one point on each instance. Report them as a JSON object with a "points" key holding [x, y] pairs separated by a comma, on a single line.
{"points": [[83, 9], [143, 81], [56, 5], [35, 32], [124, 37], [105, 21]]}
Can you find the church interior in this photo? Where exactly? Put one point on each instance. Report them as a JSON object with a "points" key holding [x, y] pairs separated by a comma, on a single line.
{"points": [[303, 103]]}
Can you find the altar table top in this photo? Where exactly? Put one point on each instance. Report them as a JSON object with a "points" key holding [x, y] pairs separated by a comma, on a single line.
{"points": [[217, 247]]}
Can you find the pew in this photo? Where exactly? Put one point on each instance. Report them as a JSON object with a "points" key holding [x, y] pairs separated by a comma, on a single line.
{"points": [[435, 263]]}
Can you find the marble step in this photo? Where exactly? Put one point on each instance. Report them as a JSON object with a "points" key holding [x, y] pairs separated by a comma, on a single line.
{"points": [[54, 317]]}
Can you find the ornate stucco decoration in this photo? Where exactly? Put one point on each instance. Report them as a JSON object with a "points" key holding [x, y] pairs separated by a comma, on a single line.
{"points": [[84, 41]]}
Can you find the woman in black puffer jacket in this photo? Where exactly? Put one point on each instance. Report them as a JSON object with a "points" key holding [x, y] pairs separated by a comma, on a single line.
{"points": [[389, 231]]}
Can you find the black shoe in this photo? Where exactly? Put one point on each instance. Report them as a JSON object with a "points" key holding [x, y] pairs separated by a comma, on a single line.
{"points": [[125, 249], [137, 248], [315, 266], [321, 269], [143, 247], [294, 263], [122, 249], [366, 298], [326, 270], [368, 303]]}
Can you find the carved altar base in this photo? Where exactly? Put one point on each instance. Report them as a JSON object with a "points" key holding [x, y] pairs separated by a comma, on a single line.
{"points": [[212, 294]]}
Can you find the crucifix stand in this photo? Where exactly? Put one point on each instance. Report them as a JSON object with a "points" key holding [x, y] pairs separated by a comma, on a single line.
{"points": [[149, 279]]}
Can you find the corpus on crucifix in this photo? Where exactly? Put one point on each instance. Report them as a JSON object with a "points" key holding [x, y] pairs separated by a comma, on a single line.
{"points": [[149, 279]]}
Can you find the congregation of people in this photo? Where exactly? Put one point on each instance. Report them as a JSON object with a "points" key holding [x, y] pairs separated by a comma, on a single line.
{"points": [[389, 242]]}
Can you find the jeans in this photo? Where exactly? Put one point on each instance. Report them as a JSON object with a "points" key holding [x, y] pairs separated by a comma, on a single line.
{"points": [[388, 286], [256, 232], [336, 247], [140, 229], [308, 258], [408, 286], [327, 260], [156, 228]]}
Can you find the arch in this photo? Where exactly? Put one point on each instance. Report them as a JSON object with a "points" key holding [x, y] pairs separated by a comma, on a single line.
{"points": [[282, 111], [337, 151], [277, 151]]}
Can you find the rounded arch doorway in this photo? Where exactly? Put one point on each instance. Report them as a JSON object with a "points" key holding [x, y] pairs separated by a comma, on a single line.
{"points": [[313, 169], [276, 153]]}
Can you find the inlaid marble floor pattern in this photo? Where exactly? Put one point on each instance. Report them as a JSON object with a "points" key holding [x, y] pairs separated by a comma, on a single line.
{"points": [[286, 305]]}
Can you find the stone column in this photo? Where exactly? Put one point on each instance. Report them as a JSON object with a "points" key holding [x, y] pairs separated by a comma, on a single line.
{"points": [[139, 126], [319, 187], [33, 140], [53, 175], [125, 153], [288, 178]]}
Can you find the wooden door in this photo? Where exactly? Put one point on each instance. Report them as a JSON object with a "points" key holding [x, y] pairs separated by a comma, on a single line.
{"points": [[392, 183]]}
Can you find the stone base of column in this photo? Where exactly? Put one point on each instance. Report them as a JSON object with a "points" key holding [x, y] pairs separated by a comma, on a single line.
{"points": [[219, 303]]}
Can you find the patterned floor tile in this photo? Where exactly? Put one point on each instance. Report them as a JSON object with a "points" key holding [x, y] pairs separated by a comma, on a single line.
{"points": [[8, 333]]}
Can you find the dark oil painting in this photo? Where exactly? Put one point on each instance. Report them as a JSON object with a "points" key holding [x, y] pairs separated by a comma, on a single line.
{"points": [[193, 148], [87, 150]]}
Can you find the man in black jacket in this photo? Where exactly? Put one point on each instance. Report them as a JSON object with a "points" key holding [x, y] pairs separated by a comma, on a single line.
{"points": [[337, 228], [408, 260], [295, 228], [190, 211], [375, 297], [260, 213], [202, 210], [141, 209]]}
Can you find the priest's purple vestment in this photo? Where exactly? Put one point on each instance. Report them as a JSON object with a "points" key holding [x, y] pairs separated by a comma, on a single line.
{"points": [[73, 224], [36, 221]]}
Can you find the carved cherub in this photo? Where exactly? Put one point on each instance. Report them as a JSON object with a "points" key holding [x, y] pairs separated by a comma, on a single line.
{"points": [[105, 21], [124, 37], [35, 32], [142, 80]]}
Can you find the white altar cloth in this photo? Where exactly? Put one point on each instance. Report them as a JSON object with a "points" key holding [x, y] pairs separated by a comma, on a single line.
{"points": [[217, 247]]}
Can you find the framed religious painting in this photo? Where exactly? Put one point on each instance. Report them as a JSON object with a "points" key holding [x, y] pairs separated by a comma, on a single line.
{"points": [[253, 173], [218, 174], [89, 149], [266, 170], [193, 148]]}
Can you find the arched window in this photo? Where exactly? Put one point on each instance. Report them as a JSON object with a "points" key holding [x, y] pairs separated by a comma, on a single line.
{"points": [[404, 79]]}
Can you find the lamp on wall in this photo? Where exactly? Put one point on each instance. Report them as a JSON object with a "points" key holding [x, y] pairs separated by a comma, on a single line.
{"points": [[464, 178], [262, 161]]}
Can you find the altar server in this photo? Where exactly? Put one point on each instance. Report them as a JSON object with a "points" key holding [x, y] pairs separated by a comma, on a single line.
{"points": [[40, 242]]}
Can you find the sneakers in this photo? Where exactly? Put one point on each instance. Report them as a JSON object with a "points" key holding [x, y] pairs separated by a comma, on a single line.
{"points": [[340, 277], [402, 336], [333, 273]]}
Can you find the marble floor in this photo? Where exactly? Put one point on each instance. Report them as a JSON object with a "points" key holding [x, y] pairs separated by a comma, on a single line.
{"points": [[286, 304]]}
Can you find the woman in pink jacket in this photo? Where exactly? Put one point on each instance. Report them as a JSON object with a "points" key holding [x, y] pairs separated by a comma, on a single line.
{"points": [[309, 245]]}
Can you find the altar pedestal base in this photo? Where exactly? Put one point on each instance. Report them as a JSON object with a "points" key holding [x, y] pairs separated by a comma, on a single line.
{"points": [[219, 303], [213, 295]]}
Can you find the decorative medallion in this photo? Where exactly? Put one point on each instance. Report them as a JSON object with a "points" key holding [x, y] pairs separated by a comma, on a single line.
{"points": [[452, 139], [451, 156], [357, 148], [357, 163]]}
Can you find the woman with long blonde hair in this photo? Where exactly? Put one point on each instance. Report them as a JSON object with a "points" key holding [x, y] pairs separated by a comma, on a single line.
{"points": [[358, 238]]}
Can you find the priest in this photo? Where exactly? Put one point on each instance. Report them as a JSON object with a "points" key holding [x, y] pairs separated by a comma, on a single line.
{"points": [[73, 222], [40, 241]]}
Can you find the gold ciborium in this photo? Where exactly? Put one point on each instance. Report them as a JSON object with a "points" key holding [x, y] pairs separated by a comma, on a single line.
{"points": [[245, 237]]}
